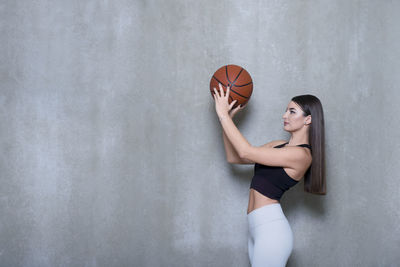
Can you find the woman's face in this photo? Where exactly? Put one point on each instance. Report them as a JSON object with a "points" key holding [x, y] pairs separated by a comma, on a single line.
{"points": [[293, 118]]}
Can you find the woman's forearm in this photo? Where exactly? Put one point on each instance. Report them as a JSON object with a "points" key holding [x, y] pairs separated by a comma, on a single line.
{"points": [[231, 153], [238, 141]]}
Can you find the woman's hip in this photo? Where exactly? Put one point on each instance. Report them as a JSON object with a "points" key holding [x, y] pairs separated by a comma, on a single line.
{"points": [[270, 221], [265, 214]]}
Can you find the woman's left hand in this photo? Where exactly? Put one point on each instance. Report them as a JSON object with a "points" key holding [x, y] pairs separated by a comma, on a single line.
{"points": [[222, 105]]}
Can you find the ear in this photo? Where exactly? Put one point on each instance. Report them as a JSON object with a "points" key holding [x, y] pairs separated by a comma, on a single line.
{"points": [[308, 119]]}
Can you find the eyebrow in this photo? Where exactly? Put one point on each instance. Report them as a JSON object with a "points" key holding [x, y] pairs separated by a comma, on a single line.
{"points": [[291, 108]]}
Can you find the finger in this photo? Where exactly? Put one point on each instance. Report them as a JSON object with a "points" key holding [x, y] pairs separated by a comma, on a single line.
{"points": [[232, 104], [215, 91], [221, 90], [227, 92], [237, 107]]}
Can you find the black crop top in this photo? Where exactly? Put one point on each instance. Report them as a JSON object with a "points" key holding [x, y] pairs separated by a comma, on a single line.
{"points": [[272, 181]]}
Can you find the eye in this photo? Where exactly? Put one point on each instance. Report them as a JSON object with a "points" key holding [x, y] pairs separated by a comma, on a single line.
{"points": [[292, 111]]}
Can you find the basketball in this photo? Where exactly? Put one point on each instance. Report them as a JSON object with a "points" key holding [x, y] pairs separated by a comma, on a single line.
{"points": [[237, 79]]}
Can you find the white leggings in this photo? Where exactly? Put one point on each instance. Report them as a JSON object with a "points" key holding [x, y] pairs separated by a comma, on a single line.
{"points": [[270, 237]]}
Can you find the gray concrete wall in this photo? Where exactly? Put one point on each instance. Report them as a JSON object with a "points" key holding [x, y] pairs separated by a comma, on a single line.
{"points": [[112, 153]]}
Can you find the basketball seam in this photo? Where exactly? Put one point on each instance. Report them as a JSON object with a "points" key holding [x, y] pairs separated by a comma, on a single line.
{"points": [[242, 84], [233, 83], [219, 81], [237, 76], [226, 72], [238, 93], [231, 88]]}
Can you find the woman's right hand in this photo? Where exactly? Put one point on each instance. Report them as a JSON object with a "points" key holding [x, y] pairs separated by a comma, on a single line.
{"points": [[236, 110]]}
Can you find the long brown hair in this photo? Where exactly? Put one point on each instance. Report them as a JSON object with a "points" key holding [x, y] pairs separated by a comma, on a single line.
{"points": [[314, 178]]}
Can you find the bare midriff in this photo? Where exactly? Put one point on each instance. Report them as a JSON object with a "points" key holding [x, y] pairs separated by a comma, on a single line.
{"points": [[257, 200]]}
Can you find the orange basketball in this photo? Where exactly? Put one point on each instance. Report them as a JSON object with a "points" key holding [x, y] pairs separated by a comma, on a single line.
{"points": [[237, 79]]}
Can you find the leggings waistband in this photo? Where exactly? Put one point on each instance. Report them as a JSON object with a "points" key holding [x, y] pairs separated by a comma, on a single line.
{"points": [[265, 214]]}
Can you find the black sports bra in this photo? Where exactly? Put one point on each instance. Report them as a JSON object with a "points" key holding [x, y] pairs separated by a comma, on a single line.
{"points": [[272, 181]]}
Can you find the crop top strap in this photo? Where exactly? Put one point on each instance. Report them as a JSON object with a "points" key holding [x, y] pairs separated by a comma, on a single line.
{"points": [[303, 145], [281, 145]]}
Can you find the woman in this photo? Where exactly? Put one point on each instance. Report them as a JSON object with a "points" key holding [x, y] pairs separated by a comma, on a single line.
{"points": [[279, 165]]}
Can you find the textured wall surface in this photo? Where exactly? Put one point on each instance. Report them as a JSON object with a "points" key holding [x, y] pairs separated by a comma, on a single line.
{"points": [[112, 153]]}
